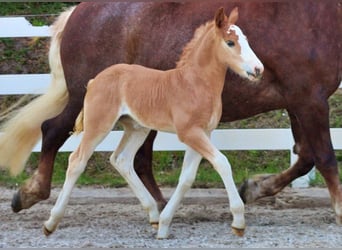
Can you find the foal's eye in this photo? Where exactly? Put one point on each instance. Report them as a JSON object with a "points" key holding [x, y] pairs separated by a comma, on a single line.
{"points": [[230, 43]]}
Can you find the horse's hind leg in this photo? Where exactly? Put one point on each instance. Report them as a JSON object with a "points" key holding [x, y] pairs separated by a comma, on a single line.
{"points": [[310, 125], [55, 132], [263, 185], [122, 160]]}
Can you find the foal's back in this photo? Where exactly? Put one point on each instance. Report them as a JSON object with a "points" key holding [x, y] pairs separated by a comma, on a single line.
{"points": [[153, 98], [145, 94]]}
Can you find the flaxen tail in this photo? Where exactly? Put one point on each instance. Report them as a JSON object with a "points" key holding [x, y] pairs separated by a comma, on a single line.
{"points": [[78, 127], [22, 131]]}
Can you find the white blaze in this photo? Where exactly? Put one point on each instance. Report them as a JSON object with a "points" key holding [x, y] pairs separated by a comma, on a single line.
{"points": [[251, 61]]}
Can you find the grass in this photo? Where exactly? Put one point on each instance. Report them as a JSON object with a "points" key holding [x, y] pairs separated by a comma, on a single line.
{"points": [[166, 165]]}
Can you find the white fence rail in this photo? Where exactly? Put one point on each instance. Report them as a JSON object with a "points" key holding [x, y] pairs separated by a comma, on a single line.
{"points": [[224, 139]]}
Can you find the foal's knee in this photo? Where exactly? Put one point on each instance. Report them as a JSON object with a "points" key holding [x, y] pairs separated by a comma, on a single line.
{"points": [[121, 163], [187, 182], [221, 164]]}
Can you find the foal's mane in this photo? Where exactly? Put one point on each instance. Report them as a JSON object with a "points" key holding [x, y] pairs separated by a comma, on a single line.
{"points": [[190, 46]]}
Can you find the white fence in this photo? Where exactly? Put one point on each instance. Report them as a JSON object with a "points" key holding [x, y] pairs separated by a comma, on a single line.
{"points": [[224, 139]]}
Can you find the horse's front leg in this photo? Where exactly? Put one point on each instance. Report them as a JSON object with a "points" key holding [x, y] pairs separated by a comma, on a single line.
{"points": [[55, 132]]}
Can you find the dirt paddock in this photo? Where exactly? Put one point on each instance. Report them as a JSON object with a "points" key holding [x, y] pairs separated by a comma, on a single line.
{"points": [[99, 217]]}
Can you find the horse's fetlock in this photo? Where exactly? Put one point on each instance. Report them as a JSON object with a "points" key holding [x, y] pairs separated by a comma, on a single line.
{"points": [[44, 194]]}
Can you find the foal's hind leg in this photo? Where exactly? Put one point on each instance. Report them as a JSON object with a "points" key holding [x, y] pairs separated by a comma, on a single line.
{"points": [[55, 132], [198, 140], [94, 133], [122, 160], [77, 163]]}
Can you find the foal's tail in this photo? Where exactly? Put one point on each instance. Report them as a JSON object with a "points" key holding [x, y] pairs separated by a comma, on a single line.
{"points": [[21, 131], [78, 127]]}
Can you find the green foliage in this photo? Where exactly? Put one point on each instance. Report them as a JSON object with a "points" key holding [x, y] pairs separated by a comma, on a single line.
{"points": [[39, 13], [33, 8], [11, 52]]}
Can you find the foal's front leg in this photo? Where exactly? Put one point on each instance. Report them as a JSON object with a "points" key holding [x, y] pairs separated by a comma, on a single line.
{"points": [[187, 177], [199, 141]]}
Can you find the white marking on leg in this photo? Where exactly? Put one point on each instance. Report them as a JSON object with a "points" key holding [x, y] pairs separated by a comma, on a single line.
{"points": [[123, 160], [75, 168], [187, 177], [237, 207]]}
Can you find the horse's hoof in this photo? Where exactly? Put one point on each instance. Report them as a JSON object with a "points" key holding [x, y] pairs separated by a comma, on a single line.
{"points": [[257, 187], [238, 231], [46, 231], [155, 225], [243, 191], [16, 203]]}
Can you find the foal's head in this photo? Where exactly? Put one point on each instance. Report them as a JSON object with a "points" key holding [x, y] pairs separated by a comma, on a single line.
{"points": [[235, 50]]}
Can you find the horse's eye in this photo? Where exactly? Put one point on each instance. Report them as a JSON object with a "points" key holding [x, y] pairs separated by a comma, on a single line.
{"points": [[230, 43]]}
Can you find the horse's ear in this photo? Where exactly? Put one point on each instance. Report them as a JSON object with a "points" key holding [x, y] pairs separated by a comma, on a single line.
{"points": [[220, 18], [234, 16]]}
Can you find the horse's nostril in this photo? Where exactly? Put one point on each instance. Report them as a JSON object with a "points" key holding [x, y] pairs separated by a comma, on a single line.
{"points": [[257, 71]]}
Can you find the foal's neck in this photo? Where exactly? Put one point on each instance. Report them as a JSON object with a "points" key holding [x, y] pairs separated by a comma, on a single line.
{"points": [[203, 61]]}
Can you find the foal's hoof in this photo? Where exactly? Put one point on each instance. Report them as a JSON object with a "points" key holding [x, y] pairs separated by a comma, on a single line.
{"points": [[238, 231], [155, 225], [46, 231]]}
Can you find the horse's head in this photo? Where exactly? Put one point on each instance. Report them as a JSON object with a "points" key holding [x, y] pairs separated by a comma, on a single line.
{"points": [[236, 51]]}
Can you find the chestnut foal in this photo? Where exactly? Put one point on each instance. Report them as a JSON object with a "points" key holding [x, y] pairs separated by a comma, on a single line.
{"points": [[185, 100]]}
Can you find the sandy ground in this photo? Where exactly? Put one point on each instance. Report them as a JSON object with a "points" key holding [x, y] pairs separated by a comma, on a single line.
{"points": [[99, 217]]}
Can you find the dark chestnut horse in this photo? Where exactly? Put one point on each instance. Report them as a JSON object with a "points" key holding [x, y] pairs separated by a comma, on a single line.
{"points": [[299, 42]]}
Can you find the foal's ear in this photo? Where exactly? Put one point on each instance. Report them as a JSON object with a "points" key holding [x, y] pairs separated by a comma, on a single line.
{"points": [[220, 18], [233, 16]]}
